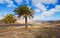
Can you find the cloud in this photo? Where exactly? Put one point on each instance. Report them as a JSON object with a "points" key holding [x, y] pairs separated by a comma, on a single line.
{"points": [[39, 3], [1, 1], [45, 1], [9, 3], [40, 17], [48, 1], [1, 17], [27, 1], [18, 1], [52, 11], [41, 6], [57, 7], [37, 10], [47, 15]]}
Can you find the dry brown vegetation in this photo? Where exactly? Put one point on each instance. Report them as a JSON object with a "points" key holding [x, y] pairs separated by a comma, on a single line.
{"points": [[15, 32]]}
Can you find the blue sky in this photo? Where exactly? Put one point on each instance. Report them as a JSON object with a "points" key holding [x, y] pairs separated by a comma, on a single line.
{"points": [[44, 9]]}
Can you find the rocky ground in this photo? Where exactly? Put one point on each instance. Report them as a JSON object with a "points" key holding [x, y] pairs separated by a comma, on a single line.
{"points": [[12, 32]]}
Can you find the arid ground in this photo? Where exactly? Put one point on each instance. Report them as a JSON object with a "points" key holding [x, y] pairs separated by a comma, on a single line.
{"points": [[31, 32]]}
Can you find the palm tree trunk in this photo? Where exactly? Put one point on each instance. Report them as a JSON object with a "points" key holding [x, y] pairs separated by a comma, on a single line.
{"points": [[26, 22]]}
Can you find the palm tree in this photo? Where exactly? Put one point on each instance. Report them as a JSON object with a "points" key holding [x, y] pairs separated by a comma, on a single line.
{"points": [[9, 19], [25, 12]]}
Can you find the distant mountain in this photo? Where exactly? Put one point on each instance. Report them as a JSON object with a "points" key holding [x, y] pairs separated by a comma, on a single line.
{"points": [[53, 22], [50, 21]]}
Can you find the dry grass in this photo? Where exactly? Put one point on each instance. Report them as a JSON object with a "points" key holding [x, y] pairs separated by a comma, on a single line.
{"points": [[38, 31]]}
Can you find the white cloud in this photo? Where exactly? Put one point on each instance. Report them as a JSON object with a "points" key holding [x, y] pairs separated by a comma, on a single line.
{"points": [[46, 15], [48, 1], [18, 1], [49, 13], [40, 17], [52, 11], [39, 3], [45, 1], [41, 6], [1, 17], [10, 3], [27, 1], [1, 1], [37, 10], [57, 7]]}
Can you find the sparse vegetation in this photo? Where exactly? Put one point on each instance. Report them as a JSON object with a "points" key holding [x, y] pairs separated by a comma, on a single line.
{"points": [[14, 32]]}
